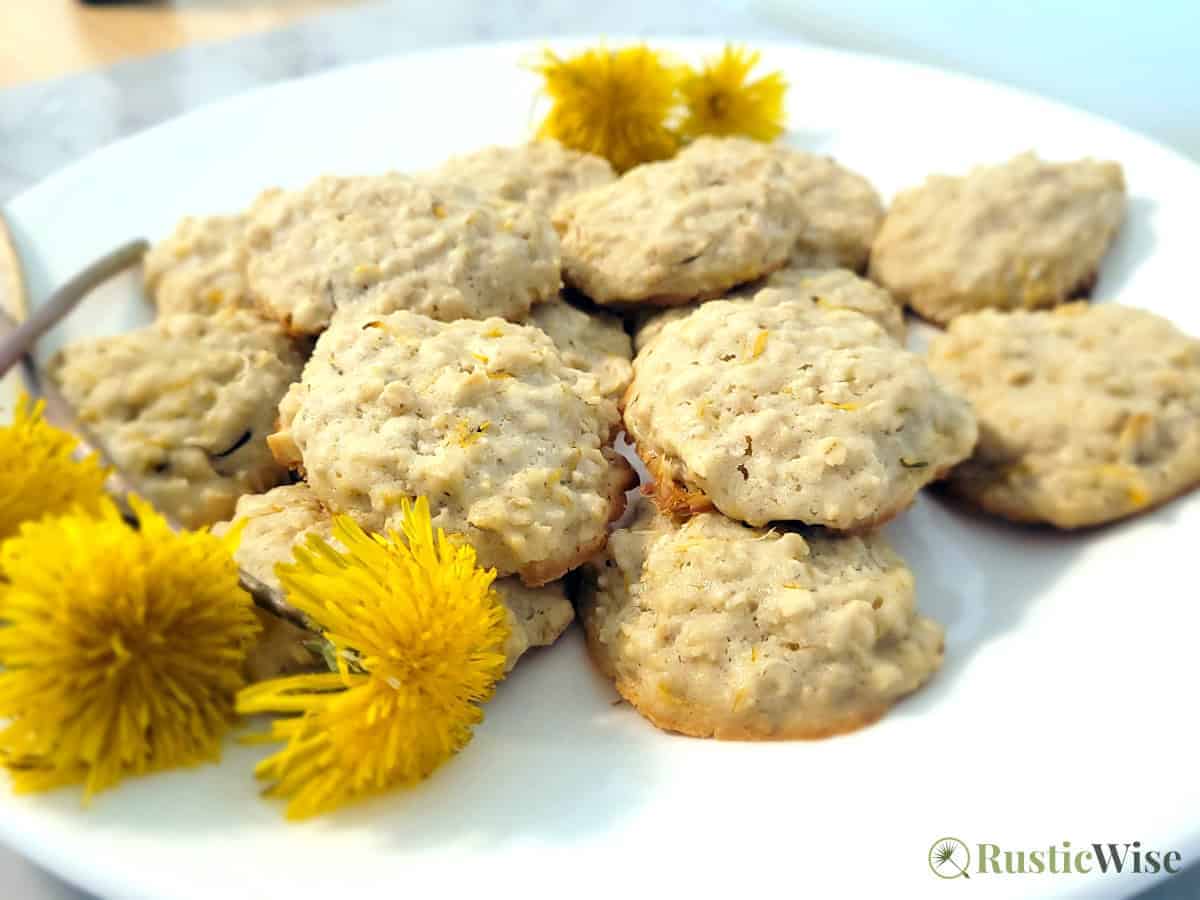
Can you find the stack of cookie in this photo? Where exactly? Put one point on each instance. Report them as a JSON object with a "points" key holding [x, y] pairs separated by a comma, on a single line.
{"points": [[362, 340], [1087, 413], [782, 424], [361, 332]]}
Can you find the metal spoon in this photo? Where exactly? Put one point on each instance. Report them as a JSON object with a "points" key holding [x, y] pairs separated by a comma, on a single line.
{"points": [[12, 282], [17, 341]]}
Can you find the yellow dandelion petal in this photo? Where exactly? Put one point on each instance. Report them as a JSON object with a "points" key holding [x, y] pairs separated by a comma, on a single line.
{"points": [[760, 344], [615, 103], [122, 650], [720, 100], [419, 637], [39, 475]]}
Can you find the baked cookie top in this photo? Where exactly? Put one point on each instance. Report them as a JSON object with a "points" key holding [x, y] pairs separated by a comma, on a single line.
{"points": [[711, 628], [833, 289], [510, 445], [838, 289], [539, 174], [840, 211], [279, 520], [185, 405], [200, 267], [275, 522], [1086, 413], [1022, 234], [593, 342], [775, 409], [722, 212], [394, 242]]}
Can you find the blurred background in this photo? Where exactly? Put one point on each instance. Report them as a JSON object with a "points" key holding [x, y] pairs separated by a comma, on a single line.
{"points": [[46, 38], [1138, 63], [75, 76]]}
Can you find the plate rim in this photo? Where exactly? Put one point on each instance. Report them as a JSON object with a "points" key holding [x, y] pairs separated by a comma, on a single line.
{"points": [[690, 43]]}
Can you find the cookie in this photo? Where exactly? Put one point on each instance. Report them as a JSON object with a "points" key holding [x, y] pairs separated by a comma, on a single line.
{"points": [[1087, 413], [840, 212], [510, 445], [722, 212], [648, 321], [200, 267], [1022, 234], [537, 616], [825, 288], [184, 406], [540, 174], [393, 242], [713, 629], [840, 289], [277, 521], [592, 342], [776, 409]]}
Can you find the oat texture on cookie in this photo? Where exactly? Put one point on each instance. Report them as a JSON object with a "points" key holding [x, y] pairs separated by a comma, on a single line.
{"points": [[777, 409], [393, 242], [592, 341], [714, 629], [540, 174], [1019, 235], [722, 212], [840, 289], [825, 289], [839, 213], [511, 446], [1087, 413], [200, 267], [184, 406]]}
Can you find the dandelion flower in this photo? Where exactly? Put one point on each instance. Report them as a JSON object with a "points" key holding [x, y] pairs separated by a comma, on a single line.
{"points": [[38, 474], [123, 648], [418, 634], [615, 103], [721, 101]]}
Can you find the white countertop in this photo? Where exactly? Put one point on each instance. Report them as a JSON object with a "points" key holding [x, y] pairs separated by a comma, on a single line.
{"points": [[1136, 63]]}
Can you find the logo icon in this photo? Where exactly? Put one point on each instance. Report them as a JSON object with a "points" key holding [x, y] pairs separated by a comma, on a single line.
{"points": [[949, 858]]}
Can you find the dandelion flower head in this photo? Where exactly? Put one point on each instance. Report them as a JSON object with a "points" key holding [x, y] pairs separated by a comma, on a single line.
{"points": [[618, 104], [39, 474], [122, 650], [721, 100], [418, 635]]}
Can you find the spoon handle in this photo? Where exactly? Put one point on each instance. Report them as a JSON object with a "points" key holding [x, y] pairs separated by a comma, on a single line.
{"points": [[13, 299], [16, 342], [46, 315]]}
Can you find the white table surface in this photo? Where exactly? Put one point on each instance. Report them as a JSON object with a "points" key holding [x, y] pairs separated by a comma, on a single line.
{"points": [[1133, 62]]}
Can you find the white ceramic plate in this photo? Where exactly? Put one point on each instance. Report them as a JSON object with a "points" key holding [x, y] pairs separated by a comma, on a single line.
{"points": [[1063, 713]]}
